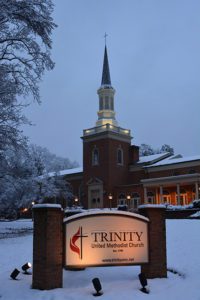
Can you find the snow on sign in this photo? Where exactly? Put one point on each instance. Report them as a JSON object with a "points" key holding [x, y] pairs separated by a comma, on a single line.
{"points": [[105, 239]]}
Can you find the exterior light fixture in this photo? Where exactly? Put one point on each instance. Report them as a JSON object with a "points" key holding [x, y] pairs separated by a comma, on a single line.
{"points": [[76, 200], [128, 197], [143, 282], [14, 274], [26, 266], [110, 197], [33, 202], [97, 286]]}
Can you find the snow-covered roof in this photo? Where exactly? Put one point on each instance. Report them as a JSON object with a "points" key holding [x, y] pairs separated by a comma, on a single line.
{"points": [[66, 172], [173, 160], [152, 158]]}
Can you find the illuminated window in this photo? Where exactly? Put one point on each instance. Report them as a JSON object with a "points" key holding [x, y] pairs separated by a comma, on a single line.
{"points": [[150, 197], [122, 199], [120, 156], [183, 197], [135, 200], [194, 194], [95, 157], [166, 197]]}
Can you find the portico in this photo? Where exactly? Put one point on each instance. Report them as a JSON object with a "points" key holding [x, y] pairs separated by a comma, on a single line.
{"points": [[176, 190]]}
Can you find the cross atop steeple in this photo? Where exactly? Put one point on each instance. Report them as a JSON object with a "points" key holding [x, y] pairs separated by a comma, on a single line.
{"points": [[105, 36]]}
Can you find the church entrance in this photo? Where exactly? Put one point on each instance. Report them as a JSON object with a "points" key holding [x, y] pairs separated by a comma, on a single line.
{"points": [[95, 196], [95, 199], [95, 193]]}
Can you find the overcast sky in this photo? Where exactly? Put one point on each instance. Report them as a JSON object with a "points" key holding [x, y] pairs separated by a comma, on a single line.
{"points": [[154, 56]]}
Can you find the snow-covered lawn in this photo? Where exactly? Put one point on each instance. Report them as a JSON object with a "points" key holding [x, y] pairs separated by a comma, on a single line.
{"points": [[183, 254]]}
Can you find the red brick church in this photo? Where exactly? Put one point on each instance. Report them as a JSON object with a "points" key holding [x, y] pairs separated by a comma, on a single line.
{"points": [[113, 173]]}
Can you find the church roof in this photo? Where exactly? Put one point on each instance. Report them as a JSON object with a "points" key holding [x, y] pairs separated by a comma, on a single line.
{"points": [[173, 160], [154, 158], [66, 172], [106, 81]]}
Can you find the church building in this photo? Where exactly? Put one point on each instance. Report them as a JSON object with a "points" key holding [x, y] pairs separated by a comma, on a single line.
{"points": [[114, 174]]}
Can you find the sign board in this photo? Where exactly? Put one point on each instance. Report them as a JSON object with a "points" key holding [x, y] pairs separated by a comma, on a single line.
{"points": [[106, 239]]}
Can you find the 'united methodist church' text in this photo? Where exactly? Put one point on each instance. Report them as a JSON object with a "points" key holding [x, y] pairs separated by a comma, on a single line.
{"points": [[122, 239]]}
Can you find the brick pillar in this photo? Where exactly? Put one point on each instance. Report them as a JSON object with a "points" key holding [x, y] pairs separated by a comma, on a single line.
{"points": [[47, 246], [157, 267]]}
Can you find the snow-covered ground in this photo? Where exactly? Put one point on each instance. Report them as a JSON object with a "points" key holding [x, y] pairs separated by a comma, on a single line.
{"points": [[183, 254]]}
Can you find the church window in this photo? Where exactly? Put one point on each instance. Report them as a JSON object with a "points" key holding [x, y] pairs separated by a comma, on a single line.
{"points": [[150, 197], [135, 200], [120, 156], [122, 199], [101, 103], [106, 102], [95, 157], [166, 197], [111, 103], [183, 197]]}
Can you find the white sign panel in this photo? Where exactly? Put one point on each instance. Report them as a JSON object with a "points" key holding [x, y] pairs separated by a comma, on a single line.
{"points": [[113, 238]]}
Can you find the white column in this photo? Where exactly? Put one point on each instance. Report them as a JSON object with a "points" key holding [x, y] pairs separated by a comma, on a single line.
{"points": [[178, 194], [196, 190], [145, 195], [161, 194]]}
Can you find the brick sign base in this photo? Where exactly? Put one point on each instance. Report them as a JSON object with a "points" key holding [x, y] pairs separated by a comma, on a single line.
{"points": [[47, 247], [157, 267]]}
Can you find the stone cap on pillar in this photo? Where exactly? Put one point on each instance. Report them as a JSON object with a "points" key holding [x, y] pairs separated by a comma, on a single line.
{"points": [[47, 205], [145, 206]]}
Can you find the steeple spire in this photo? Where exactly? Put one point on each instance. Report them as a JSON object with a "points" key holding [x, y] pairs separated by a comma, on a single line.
{"points": [[106, 81], [106, 113]]}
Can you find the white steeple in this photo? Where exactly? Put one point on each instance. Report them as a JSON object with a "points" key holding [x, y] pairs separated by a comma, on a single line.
{"points": [[106, 113]]}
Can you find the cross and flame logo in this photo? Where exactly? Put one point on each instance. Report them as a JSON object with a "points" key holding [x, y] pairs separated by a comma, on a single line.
{"points": [[78, 235]]}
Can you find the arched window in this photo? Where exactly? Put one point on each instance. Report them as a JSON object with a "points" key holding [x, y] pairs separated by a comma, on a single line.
{"points": [[135, 200], [95, 157], [112, 103], [150, 197], [122, 199], [120, 156], [106, 102], [101, 103]]}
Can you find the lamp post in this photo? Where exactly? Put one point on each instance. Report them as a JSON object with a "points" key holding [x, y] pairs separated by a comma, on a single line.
{"points": [[110, 197], [76, 201], [128, 197], [32, 203]]}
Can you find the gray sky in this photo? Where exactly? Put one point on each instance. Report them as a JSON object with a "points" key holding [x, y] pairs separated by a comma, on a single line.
{"points": [[154, 57]]}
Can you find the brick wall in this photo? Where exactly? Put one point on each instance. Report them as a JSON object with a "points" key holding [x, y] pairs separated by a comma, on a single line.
{"points": [[157, 266], [47, 247]]}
